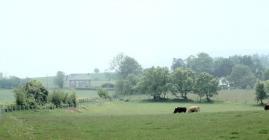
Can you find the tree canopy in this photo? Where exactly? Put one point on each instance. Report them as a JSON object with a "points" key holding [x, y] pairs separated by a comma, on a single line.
{"points": [[183, 81], [260, 92], [206, 85], [155, 82], [125, 65], [242, 77]]}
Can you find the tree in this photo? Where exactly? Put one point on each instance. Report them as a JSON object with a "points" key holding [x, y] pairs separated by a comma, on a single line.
{"points": [[183, 81], [125, 65], [96, 70], [260, 92], [177, 63], [222, 67], [253, 62], [266, 75], [127, 86], [59, 79], [33, 93], [266, 86], [202, 63], [155, 82], [242, 77], [206, 85]]}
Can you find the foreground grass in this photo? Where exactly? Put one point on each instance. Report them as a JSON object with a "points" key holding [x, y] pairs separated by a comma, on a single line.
{"points": [[118, 120]]}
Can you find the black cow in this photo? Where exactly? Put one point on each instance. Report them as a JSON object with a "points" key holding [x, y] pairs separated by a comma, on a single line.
{"points": [[266, 107], [180, 110]]}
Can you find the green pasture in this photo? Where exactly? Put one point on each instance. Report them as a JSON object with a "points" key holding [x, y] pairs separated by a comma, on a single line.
{"points": [[227, 96], [133, 120], [234, 115]]}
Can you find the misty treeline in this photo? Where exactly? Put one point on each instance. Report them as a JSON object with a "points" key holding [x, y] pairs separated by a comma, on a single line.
{"points": [[241, 71], [198, 74], [11, 82]]}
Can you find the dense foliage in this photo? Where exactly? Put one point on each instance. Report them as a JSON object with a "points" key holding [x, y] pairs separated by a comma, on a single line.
{"points": [[102, 93], [155, 82], [60, 98], [260, 92], [241, 71], [206, 85], [33, 93], [182, 81]]}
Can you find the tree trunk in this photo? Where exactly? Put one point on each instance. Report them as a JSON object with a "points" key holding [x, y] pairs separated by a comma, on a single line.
{"points": [[185, 96], [261, 102], [156, 97]]}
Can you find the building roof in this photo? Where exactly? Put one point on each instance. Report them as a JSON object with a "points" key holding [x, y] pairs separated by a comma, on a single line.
{"points": [[79, 77]]}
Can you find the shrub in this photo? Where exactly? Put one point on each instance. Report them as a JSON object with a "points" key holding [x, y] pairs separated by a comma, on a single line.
{"points": [[60, 99], [33, 93], [20, 96], [72, 99], [102, 93]]}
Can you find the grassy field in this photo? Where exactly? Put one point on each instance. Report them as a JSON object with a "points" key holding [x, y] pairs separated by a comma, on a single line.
{"points": [[234, 115], [6, 96], [121, 120]]}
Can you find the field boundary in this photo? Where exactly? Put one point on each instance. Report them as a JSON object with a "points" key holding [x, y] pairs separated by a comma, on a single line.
{"points": [[16, 108]]}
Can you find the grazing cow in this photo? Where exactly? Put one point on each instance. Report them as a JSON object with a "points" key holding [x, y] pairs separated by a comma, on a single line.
{"points": [[180, 110], [266, 107], [194, 109]]}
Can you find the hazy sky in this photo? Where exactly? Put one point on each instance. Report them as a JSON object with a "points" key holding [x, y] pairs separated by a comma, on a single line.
{"points": [[40, 37]]}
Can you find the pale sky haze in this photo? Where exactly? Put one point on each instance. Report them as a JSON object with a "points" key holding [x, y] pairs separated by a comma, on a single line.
{"points": [[38, 38]]}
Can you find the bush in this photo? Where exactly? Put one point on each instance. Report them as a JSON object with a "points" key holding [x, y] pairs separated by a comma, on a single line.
{"points": [[20, 96], [72, 99], [33, 93], [103, 94], [60, 99]]}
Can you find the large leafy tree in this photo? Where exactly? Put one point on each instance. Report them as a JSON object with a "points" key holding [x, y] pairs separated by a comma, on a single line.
{"points": [[242, 77], [177, 63], [266, 86], [183, 81], [59, 79], [127, 69], [202, 63], [222, 67], [155, 82], [206, 85], [125, 65], [260, 92], [266, 75]]}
